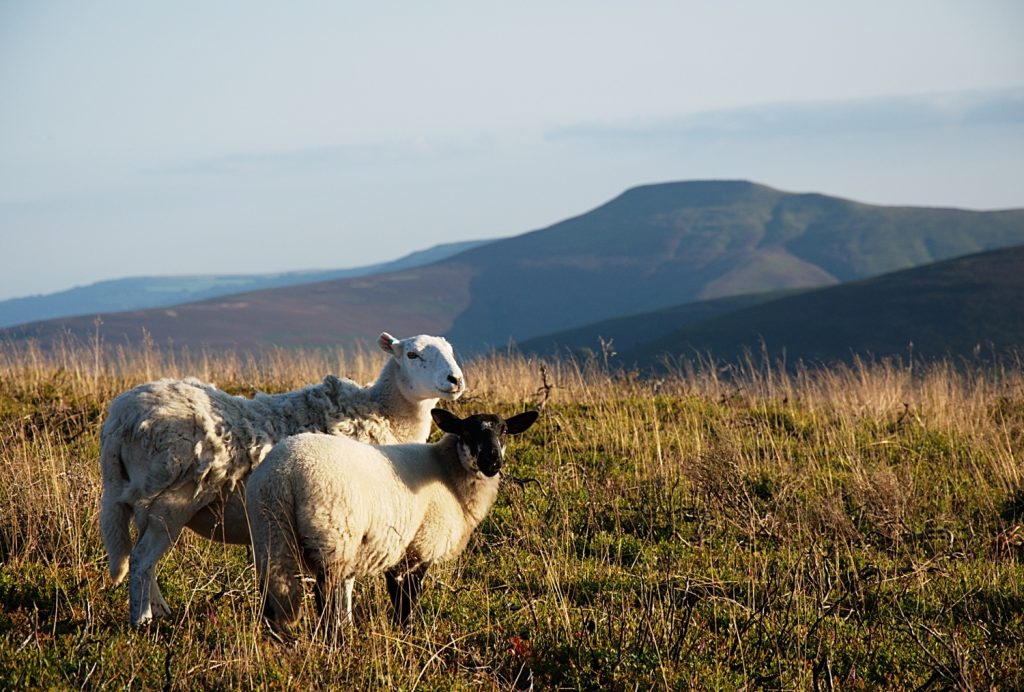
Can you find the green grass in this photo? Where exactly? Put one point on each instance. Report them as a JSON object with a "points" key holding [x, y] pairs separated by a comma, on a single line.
{"points": [[856, 528]]}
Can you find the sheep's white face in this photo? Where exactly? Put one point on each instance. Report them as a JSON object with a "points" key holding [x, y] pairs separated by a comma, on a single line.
{"points": [[426, 366]]}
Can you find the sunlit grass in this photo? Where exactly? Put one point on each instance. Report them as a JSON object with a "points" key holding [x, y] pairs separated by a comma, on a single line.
{"points": [[856, 527]]}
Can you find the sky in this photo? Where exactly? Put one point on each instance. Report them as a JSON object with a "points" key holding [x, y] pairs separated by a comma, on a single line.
{"points": [[221, 137]]}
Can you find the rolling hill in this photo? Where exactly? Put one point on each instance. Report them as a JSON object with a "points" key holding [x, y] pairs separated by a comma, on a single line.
{"points": [[331, 313], [651, 248], [138, 293], [631, 332], [962, 307]]}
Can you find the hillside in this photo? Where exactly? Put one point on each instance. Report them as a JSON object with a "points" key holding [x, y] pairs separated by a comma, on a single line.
{"points": [[332, 313], [961, 307], [141, 292], [630, 332], [651, 248]]}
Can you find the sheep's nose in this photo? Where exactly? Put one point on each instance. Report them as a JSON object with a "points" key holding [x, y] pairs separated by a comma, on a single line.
{"points": [[490, 462], [455, 380]]}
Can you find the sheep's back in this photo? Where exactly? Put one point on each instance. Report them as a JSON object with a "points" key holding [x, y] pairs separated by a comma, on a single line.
{"points": [[351, 508], [169, 431]]}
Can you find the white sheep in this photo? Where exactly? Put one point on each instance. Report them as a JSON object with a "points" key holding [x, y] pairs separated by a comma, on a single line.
{"points": [[175, 453], [343, 509]]}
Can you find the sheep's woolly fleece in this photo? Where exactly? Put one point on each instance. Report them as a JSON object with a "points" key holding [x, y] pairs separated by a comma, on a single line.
{"points": [[216, 438], [174, 451]]}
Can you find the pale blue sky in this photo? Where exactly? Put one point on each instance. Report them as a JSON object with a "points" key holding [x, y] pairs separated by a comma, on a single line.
{"points": [[225, 137]]}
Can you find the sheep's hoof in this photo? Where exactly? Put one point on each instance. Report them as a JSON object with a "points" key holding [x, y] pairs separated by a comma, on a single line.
{"points": [[141, 617]]}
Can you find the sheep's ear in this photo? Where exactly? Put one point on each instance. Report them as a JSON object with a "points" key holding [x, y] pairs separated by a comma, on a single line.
{"points": [[387, 343], [446, 420], [521, 422]]}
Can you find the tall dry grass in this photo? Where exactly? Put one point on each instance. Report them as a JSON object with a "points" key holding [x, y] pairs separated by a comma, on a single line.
{"points": [[749, 526]]}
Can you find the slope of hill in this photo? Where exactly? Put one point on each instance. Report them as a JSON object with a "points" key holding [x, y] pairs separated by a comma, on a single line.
{"points": [[138, 293], [650, 248], [331, 313], [630, 332], [960, 307]]}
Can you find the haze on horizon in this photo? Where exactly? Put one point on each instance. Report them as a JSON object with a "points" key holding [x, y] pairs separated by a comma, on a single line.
{"points": [[199, 138]]}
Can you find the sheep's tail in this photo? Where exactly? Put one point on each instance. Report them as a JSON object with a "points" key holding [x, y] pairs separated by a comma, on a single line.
{"points": [[115, 515]]}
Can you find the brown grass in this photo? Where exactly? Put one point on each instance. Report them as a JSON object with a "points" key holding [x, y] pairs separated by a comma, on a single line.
{"points": [[860, 526]]}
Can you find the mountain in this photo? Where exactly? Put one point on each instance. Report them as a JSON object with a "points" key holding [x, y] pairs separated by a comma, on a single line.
{"points": [[651, 248], [137, 293], [662, 245], [962, 307]]}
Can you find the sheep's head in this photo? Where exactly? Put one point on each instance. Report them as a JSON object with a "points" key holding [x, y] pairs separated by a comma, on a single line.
{"points": [[481, 437], [426, 367]]}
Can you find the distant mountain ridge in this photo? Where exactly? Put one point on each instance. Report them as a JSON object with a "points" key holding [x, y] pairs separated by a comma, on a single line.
{"points": [[651, 248], [137, 293]]}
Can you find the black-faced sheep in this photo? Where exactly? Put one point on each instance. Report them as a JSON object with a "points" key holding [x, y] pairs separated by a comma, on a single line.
{"points": [[343, 509], [175, 452]]}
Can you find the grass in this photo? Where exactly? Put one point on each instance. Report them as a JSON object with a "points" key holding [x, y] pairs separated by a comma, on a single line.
{"points": [[854, 528]]}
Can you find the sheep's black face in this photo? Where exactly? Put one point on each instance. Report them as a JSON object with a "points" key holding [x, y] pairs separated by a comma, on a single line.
{"points": [[481, 437]]}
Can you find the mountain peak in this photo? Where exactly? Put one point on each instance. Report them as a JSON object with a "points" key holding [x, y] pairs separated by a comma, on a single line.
{"points": [[699, 192]]}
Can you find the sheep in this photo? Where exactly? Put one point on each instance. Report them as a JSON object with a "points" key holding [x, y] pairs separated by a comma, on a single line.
{"points": [[175, 453], [343, 509]]}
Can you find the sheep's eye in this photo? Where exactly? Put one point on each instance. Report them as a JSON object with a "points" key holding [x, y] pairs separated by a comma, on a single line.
{"points": [[412, 355]]}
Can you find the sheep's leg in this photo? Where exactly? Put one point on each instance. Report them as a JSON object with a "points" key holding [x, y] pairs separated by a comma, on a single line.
{"points": [[282, 595], [158, 605], [334, 602], [162, 526], [278, 565], [404, 588], [347, 606]]}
